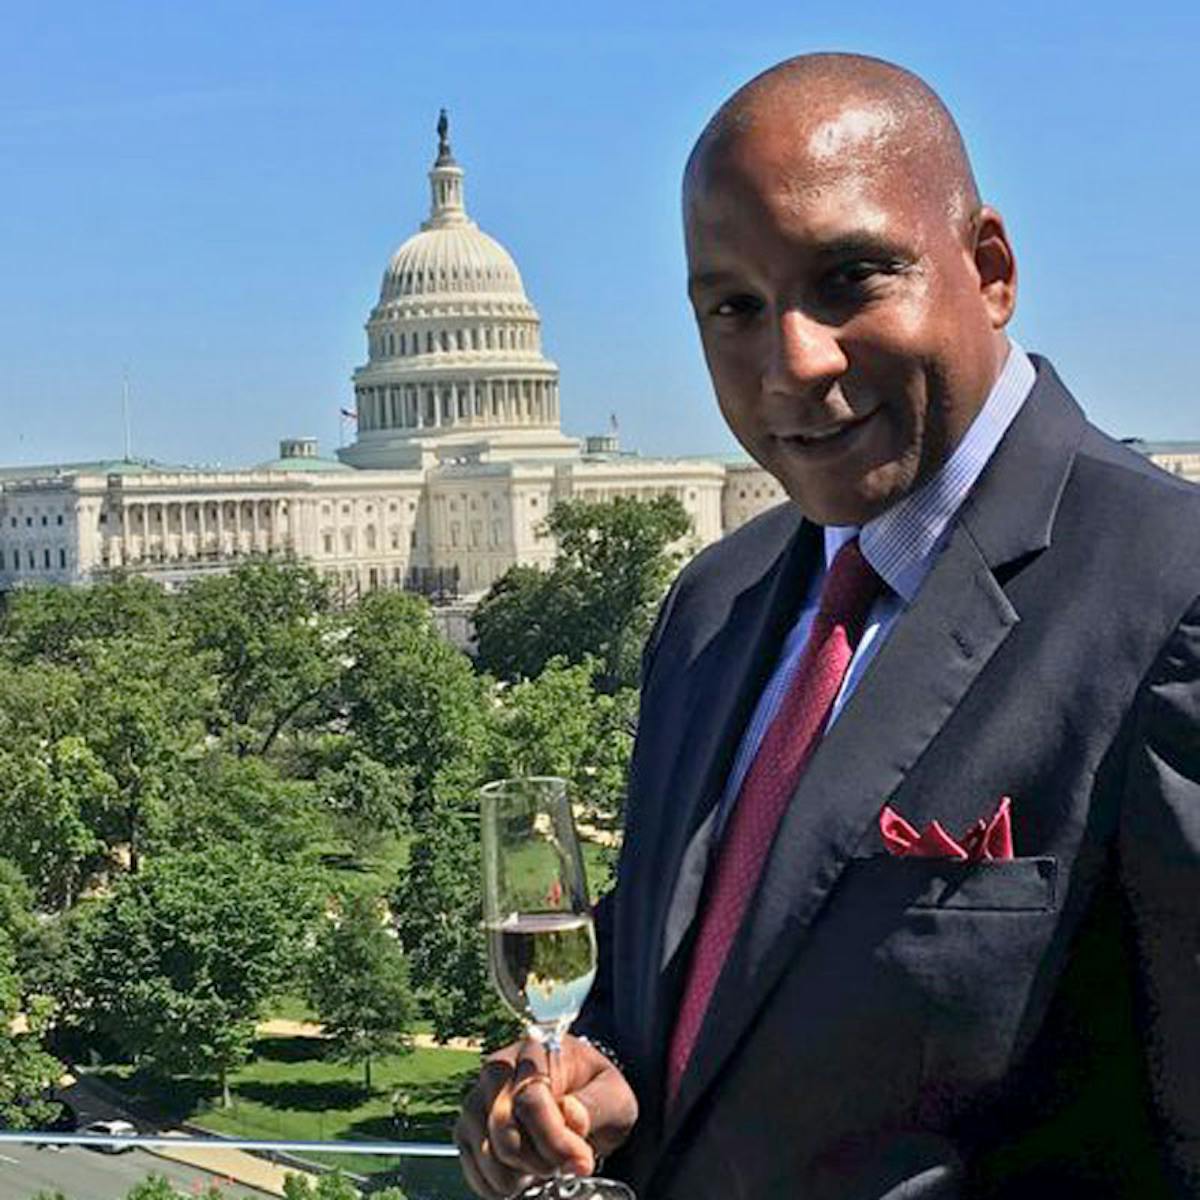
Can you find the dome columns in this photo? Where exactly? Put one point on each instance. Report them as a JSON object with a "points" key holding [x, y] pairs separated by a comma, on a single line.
{"points": [[440, 405]]}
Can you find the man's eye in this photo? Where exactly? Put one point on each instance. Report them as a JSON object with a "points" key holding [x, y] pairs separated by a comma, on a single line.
{"points": [[736, 306], [857, 276]]}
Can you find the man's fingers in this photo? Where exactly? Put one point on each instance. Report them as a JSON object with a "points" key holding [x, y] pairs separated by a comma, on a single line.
{"points": [[510, 1143], [611, 1109], [576, 1115], [537, 1110], [484, 1172]]}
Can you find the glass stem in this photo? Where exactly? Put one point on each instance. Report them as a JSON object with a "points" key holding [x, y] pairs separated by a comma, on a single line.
{"points": [[554, 1073]]}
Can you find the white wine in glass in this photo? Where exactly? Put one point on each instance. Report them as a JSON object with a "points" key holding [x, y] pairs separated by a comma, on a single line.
{"points": [[541, 944]]}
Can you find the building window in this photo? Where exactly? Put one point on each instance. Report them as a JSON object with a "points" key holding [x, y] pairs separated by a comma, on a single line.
{"points": [[370, 537], [62, 559], [45, 521], [395, 539], [327, 539], [347, 540]]}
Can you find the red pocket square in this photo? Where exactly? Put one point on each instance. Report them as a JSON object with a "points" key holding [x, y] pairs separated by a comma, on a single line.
{"points": [[988, 840]]}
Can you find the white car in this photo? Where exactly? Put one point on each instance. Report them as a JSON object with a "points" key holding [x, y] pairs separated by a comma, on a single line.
{"points": [[113, 1129]]}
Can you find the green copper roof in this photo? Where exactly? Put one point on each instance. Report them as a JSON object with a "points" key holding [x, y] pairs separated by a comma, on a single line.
{"points": [[109, 466], [303, 463]]}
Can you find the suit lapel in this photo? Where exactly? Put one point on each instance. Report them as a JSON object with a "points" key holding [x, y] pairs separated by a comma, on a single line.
{"points": [[932, 655], [725, 670]]}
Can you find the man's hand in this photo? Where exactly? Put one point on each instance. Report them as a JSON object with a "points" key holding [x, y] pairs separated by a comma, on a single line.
{"points": [[513, 1129]]}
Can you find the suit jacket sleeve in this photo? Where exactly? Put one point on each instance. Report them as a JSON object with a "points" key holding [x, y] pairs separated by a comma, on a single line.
{"points": [[1160, 864]]}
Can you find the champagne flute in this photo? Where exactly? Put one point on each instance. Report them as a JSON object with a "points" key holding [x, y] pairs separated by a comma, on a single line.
{"points": [[541, 944]]}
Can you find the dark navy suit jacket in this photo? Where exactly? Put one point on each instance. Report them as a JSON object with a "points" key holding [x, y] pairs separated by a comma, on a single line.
{"points": [[891, 1027]]}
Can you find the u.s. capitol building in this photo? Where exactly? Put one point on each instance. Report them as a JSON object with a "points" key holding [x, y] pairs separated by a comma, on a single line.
{"points": [[458, 456]]}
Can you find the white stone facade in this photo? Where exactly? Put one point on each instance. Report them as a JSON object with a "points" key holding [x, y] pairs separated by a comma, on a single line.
{"points": [[458, 458]]}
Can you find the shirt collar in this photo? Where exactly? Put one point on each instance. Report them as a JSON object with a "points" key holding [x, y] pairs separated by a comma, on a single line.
{"points": [[901, 543]]}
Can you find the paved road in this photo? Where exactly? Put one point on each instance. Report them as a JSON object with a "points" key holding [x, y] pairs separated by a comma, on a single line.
{"points": [[84, 1174]]}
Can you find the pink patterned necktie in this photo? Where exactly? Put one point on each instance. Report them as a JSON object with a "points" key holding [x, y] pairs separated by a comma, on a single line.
{"points": [[849, 589]]}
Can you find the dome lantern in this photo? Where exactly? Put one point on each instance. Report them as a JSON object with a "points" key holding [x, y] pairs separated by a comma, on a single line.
{"points": [[446, 184]]}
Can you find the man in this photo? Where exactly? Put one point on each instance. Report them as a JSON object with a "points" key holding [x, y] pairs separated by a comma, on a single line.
{"points": [[836, 963]]}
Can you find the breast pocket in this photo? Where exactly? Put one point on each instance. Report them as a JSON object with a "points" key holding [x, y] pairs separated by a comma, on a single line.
{"points": [[970, 940], [1017, 885]]}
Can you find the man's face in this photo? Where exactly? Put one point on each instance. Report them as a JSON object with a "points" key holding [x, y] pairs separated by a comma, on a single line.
{"points": [[840, 305]]}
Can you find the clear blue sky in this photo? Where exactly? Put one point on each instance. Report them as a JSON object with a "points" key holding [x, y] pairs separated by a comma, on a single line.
{"points": [[209, 192]]}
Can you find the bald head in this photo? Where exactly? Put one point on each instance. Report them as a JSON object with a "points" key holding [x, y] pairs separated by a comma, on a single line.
{"points": [[842, 113], [850, 291]]}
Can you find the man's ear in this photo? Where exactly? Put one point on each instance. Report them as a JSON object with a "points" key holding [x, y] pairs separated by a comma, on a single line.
{"points": [[996, 265]]}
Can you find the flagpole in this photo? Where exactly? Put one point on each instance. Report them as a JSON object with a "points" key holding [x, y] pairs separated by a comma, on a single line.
{"points": [[125, 413]]}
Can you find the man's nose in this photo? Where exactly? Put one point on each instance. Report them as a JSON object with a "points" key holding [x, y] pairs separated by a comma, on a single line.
{"points": [[803, 352]]}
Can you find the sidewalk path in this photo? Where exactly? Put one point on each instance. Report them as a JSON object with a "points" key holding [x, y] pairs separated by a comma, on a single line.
{"points": [[233, 1166], [277, 1027]]}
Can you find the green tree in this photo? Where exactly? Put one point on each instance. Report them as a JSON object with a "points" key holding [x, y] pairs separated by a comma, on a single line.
{"points": [[50, 624], [27, 1072], [158, 1187], [358, 984], [148, 704], [53, 800], [40, 703], [275, 639], [438, 911], [411, 698], [182, 957], [558, 724], [245, 802], [333, 1186], [367, 801], [613, 564]]}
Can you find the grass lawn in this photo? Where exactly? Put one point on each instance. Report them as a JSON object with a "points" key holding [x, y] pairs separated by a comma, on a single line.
{"points": [[291, 1091]]}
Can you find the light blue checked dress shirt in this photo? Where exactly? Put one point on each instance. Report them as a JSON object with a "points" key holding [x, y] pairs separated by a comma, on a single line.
{"points": [[901, 544]]}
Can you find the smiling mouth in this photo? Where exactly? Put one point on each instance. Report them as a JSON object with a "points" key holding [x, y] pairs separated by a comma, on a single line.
{"points": [[829, 436]]}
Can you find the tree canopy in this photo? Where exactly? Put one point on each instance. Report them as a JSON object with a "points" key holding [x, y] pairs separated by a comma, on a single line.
{"points": [[613, 564], [194, 784]]}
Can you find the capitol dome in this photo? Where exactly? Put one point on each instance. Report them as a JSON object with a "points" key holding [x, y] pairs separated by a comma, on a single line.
{"points": [[454, 345], [451, 261]]}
